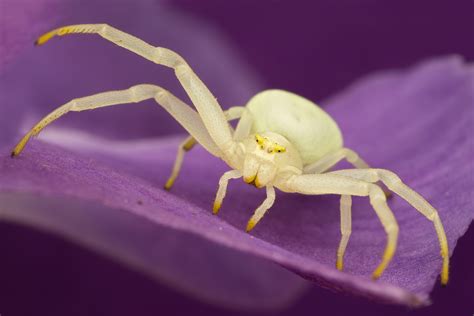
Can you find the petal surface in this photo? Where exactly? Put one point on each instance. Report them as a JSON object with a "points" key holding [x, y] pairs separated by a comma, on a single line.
{"points": [[415, 122]]}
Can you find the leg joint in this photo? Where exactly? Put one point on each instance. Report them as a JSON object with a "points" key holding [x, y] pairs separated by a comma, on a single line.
{"points": [[168, 58], [346, 233], [388, 176], [351, 155], [346, 200], [375, 192], [392, 229], [162, 95]]}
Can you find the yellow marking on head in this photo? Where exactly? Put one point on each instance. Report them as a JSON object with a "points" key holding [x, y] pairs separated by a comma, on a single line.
{"points": [[271, 146], [259, 139], [278, 148]]}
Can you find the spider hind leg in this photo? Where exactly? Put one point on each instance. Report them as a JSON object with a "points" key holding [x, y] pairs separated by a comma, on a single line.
{"points": [[394, 183]]}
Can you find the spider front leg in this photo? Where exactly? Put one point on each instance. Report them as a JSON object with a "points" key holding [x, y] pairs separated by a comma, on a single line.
{"points": [[186, 116], [394, 183], [262, 209], [232, 113], [259, 212], [221, 192], [206, 104], [317, 184]]}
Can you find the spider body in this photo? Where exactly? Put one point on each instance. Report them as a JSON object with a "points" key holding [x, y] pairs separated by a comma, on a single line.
{"points": [[310, 129], [281, 141], [287, 133]]}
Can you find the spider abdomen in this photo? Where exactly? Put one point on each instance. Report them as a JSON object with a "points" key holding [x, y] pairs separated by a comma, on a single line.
{"points": [[308, 127]]}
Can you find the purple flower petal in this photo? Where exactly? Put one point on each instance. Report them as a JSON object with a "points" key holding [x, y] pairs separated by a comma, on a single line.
{"points": [[19, 22], [193, 265], [414, 122]]}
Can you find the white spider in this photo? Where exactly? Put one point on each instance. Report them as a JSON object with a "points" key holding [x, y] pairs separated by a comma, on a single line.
{"points": [[281, 141]]}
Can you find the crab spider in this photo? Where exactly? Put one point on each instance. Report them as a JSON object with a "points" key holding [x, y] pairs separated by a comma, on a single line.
{"points": [[281, 141]]}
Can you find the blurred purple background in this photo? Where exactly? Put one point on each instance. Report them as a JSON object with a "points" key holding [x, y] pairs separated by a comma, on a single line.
{"points": [[314, 48]]}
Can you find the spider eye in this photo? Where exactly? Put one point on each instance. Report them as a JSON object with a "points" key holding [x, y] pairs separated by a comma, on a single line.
{"points": [[259, 139], [280, 149]]}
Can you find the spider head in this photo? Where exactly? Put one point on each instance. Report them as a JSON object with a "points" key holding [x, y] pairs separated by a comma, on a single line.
{"points": [[267, 154]]}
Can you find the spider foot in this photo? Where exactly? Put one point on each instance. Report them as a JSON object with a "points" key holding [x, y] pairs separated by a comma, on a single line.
{"points": [[169, 183], [45, 37], [21, 145], [250, 225], [377, 273], [445, 273], [216, 207]]}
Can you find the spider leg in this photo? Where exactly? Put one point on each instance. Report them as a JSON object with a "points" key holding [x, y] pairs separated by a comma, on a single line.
{"points": [[244, 126], [346, 229], [328, 161], [232, 113], [259, 212], [328, 183], [394, 183], [324, 164], [185, 146], [180, 111], [206, 104], [262, 209], [223, 181]]}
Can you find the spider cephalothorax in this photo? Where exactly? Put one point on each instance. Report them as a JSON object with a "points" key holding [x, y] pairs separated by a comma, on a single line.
{"points": [[267, 156], [282, 141]]}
